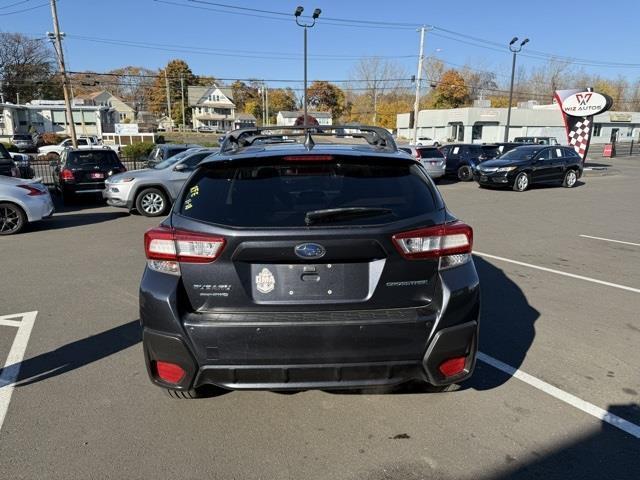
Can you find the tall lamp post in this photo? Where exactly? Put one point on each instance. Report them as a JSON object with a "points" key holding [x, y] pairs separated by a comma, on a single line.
{"points": [[314, 17], [514, 49]]}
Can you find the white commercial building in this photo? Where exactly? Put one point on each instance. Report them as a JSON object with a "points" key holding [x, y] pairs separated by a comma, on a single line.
{"points": [[486, 125], [288, 119], [51, 116]]}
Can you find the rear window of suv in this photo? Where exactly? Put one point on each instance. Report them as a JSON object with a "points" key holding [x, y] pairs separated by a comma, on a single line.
{"points": [[280, 195], [92, 157], [430, 153]]}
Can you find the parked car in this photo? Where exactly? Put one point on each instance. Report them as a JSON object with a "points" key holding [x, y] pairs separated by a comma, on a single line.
{"points": [[165, 151], [431, 158], [205, 129], [8, 167], [24, 142], [537, 140], [22, 201], [152, 191], [462, 158], [427, 142], [84, 143], [527, 165], [287, 267], [23, 162], [83, 172]]}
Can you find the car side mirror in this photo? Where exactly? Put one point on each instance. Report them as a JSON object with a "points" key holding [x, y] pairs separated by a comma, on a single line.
{"points": [[181, 167]]}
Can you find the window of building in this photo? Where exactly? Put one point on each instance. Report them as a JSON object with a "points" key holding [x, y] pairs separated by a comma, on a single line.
{"points": [[597, 129], [58, 117], [629, 131], [476, 132]]}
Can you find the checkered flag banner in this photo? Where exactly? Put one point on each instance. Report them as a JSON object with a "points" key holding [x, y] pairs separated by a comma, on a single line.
{"points": [[574, 102], [579, 134]]}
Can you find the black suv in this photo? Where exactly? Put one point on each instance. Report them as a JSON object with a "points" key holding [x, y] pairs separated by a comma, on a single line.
{"points": [[83, 172], [463, 158], [523, 166], [292, 266]]}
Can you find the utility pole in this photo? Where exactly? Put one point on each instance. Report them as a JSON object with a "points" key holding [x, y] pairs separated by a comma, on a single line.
{"points": [[266, 101], [184, 122], [416, 105], [166, 81], [56, 37]]}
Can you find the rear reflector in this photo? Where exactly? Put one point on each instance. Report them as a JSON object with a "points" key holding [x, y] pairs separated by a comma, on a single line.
{"points": [[169, 372], [433, 242], [165, 247], [308, 158], [32, 190], [453, 366]]}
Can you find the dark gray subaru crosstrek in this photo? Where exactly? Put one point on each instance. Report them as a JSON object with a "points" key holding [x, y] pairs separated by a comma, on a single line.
{"points": [[298, 260]]}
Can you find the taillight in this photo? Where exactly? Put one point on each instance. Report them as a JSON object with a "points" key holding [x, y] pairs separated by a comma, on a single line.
{"points": [[451, 242], [169, 372], [418, 154], [453, 366], [67, 174], [165, 247], [32, 191]]}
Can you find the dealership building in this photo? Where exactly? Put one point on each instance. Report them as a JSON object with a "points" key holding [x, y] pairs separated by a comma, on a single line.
{"points": [[483, 124]]}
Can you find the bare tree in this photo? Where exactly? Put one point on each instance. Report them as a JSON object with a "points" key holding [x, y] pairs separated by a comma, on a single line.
{"points": [[27, 68]]}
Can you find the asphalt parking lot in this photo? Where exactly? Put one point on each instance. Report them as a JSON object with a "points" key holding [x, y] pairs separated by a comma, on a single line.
{"points": [[559, 337]]}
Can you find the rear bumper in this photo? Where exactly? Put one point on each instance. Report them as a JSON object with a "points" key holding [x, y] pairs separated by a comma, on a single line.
{"points": [[460, 340]]}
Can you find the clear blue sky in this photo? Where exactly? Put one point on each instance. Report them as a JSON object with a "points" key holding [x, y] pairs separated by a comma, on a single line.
{"points": [[208, 37]]}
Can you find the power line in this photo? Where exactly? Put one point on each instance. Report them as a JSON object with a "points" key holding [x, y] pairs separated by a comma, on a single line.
{"points": [[40, 5]]}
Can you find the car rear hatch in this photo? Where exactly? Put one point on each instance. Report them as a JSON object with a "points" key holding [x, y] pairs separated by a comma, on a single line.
{"points": [[261, 275], [91, 167]]}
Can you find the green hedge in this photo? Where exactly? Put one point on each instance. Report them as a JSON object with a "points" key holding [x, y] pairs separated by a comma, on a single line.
{"points": [[10, 147], [137, 150]]}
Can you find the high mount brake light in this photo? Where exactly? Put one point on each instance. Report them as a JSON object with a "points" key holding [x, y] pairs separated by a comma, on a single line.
{"points": [[449, 239], [166, 247], [308, 158]]}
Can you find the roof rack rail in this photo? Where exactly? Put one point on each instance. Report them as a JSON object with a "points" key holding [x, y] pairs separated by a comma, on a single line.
{"points": [[237, 140]]}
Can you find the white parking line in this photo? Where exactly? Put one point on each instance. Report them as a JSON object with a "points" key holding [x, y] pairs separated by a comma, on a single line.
{"points": [[610, 240], [591, 409], [11, 367], [559, 272]]}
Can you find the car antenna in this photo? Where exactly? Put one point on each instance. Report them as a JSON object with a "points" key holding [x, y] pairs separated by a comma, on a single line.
{"points": [[308, 141]]}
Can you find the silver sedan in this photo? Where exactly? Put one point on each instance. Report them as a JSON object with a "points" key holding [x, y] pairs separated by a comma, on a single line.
{"points": [[151, 191], [22, 201]]}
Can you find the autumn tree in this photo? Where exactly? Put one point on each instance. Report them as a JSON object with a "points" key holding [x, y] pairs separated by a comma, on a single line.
{"points": [[281, 99], [325, 96], [27, 69], [451, 91], [174, 71]]}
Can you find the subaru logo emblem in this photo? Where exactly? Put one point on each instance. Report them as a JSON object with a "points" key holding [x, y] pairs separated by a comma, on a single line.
{"points": [[310, 250]]}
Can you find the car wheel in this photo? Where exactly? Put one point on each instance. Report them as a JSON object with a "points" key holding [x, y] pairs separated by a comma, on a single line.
{"points": [[570, 179], [436, 144], [521, 182], [12, 219], [464, 173], [151, 202]]}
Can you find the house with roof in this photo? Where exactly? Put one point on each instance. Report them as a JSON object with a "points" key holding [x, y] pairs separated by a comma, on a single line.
{"points": [[212, 108], [288, 119], [125, 112]]}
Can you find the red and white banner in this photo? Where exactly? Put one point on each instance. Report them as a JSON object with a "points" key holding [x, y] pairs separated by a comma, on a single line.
{"points": [[578, 108]]}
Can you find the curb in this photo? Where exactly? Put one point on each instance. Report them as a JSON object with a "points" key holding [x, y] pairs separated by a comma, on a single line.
{"points": [[599, 171]]}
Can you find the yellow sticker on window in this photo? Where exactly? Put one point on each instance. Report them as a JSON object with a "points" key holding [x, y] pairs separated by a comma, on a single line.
{"points": [[195, 190]]}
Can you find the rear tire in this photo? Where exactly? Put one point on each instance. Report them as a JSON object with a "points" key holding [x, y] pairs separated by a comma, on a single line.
{"points": [[152, 202], [12, 219], [570, 179], [521, 183], [464, 173]]}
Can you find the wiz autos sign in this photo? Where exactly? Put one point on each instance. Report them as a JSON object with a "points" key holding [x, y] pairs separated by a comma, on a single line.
{"points": [[578, 108]]}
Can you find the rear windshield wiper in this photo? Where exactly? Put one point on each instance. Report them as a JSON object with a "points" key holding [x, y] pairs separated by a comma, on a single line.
{"points": [[318, 216]]}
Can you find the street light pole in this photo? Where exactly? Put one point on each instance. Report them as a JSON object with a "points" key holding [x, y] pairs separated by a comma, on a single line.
{"points": [[514, 50], [416, 105], [55, 37], [314, 17]]}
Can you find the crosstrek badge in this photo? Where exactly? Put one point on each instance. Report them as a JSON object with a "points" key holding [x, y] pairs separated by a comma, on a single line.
{"points": [[265, 281]]}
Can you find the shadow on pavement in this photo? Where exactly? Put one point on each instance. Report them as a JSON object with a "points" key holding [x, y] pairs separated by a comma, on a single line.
{"points": [[70, 220], [79, 353]]}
